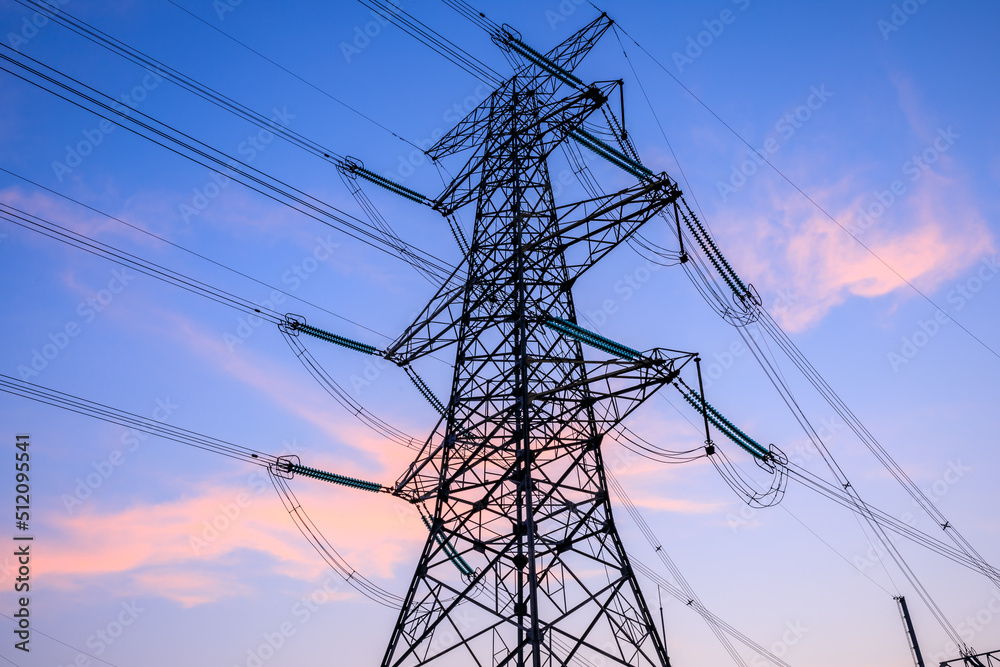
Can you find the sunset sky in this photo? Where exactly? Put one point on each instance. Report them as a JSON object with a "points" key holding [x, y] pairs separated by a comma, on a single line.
{"points": [[871, 237]]}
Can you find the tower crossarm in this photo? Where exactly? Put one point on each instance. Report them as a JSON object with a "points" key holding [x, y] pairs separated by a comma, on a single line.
{"points": [[614, 388], [607, 221], [472, 130], [434, 327], [556, 120]]}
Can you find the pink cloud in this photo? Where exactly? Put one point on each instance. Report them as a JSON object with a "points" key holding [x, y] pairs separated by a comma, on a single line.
{"points": [[931, 234], [930, 230], [188, 588], [288, 386], [75, 217], [659, 503], [182, 549]]}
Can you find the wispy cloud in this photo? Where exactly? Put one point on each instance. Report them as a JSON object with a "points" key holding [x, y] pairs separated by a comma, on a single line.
{"points": [[182, 549], [287, 386], [921, 225], [935, 234], [928, 236]]}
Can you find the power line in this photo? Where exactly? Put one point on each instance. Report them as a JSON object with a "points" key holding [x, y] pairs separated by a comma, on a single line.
{"points": [[802, 192], [293, 74], [59, 233], [193, 253], [205, 155], [83, 242], [102, 39], [59, 641], [435, 41], [838, 404], [103, 412], [477, 17], [278, 129], [689, 593]]}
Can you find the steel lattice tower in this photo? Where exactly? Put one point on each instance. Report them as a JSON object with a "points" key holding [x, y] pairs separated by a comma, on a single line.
{"points": [[524, 565]]}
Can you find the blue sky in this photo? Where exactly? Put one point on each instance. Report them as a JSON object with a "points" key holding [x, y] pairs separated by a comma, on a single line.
{"points": [[880, 112]]}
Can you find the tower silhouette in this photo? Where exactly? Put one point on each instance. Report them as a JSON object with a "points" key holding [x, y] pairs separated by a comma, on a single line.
{"points": [[523, 564]]}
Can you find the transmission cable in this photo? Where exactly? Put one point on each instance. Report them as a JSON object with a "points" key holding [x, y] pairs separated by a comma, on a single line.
{"points": [[293, 74], [326, 550], [222, 101], [475, 16], [877, 450], [435, 41], [88, 244], [59, 641], [857, 426], [82, 406], [658, 548], [269, 186], [100, 411], [341, 396], [862, 507], [836, 494], [82, 242], [816, 204], [193, 253]]}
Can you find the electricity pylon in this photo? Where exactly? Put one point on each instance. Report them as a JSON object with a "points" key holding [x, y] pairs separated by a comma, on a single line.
{"points": [[523, 564]]}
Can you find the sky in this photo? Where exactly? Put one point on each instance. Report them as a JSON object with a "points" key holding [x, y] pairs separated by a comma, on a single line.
{"points": [[871, 237]]}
